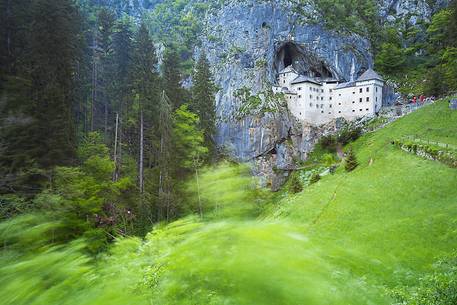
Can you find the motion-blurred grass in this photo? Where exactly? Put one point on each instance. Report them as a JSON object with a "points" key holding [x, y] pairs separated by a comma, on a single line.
{"points": [[347, 239]]}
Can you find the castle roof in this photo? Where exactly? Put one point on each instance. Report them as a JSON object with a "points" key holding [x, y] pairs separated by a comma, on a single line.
{"points": [[369, 74], [304, 79], [288, 69]]}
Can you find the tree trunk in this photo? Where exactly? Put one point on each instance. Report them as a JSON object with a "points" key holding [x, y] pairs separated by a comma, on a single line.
{"points": [[140, 170], [115, 174], [198, 192]]}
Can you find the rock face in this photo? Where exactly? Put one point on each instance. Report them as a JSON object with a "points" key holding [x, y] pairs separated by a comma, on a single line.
{"points": [[247, 43]]}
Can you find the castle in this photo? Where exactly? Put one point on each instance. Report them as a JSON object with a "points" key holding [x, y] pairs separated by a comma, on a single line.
{"points": [[319, 100]]}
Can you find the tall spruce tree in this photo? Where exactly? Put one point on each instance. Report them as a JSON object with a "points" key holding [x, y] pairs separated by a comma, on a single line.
{"points": [[172, 78], [104, 65], [203, 101], [145, 85], [166, 208]]}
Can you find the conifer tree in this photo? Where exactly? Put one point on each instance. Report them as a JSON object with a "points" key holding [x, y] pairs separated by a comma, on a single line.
{"points": [[105, 69], [122, 85], [350, 161], [145, 85], [295, 185], [165, 209], [172, 78], [315, 177], [203, 101]]}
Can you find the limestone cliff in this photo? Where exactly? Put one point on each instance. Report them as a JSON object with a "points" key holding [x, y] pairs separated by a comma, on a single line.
{"points": [[249, 41]]}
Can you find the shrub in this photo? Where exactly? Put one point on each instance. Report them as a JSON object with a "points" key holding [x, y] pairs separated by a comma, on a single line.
{"points": [[348, 135], [314, 178], [351, 161], [295, 185], [328, 143]]}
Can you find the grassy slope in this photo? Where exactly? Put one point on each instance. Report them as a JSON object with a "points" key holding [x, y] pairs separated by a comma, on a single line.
{"points": [[395, 216]]}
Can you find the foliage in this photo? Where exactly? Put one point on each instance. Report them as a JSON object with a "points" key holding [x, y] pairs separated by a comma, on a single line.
{"points": [[190, 150], [350, 161], [436, 288], [260, 104], [204, 102], [354, 16], [224, 191], [315, 177], [434, 152], [295, 184]]}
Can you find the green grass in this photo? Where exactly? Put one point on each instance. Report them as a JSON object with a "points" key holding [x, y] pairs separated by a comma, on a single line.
{"points": [[397, 215]]}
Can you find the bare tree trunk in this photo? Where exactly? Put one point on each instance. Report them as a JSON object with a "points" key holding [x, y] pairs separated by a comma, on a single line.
{"points": [[140, 170], [198, 192], [94, 81], [115, 174], [105, 123]]}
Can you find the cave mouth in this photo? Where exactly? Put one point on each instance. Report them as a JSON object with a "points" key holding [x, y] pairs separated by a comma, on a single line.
{"points": [[302, 60]]}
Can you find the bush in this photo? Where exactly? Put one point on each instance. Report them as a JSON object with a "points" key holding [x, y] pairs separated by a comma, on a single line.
{"points": [[314, 178], [328, 143], [348, 135], [295, 185], [351, 161]]}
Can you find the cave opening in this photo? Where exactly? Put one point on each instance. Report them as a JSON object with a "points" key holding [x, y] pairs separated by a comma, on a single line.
{"points": [[302, 60]]}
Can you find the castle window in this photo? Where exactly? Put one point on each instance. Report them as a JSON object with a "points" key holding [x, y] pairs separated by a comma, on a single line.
{"points": [[361, 90], [299, 96], [367, 109], [353, 102], [330, 90], [376, 99], [310, 88], [330, 106], [310, 96], [376, 89], [353, 110], [322, 98], [368, 99], [339, 104], [368, 89], [340, 94], [322, 90], [329, 113], [330, 98], [322, 105], [360, 109], [361, 99], [310, 104], [353, 92], [299, 88], [322, 111], [339, 111], [317, 106], [284, 81]]}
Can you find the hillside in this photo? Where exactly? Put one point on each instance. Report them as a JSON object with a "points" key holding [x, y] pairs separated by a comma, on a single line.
{"points": [[373, 236], [397, 215]]}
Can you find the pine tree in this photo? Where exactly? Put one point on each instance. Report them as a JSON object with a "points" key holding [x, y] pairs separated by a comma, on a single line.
{"points": [[172, 78], [203, 101], [145, 85], [315, 177], [350, 161], [104, 66], [122, 84], [166, 154], [295, 185]]}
